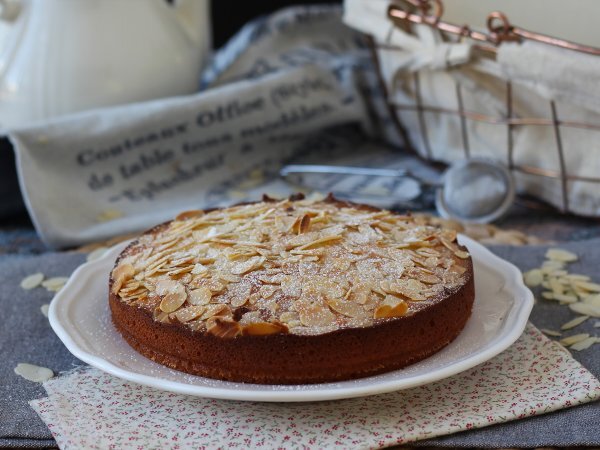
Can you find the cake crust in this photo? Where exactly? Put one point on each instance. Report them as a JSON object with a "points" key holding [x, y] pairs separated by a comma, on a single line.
{"points": [[275, 348]]}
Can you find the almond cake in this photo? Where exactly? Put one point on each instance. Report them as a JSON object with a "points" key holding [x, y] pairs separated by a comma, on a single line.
{"points": [[291, 291]]}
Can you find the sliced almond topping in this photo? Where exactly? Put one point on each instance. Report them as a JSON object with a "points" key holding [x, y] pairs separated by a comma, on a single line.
{"points": [[453, 248], [410, 288], [291, 286], [120, 275], [216, 310], [303, 224], [240, 295], [224, 328], [391, 307], [199, 268], [189, 313], [289, 316], [250, 265], [461, 254], [264, 328], [215, 286], [200, 296], [230, 278], [167, 286], [320, 242], [172, 301], [189, 214], [346, 307], [448, 234], [314, 314], [267, 290]]}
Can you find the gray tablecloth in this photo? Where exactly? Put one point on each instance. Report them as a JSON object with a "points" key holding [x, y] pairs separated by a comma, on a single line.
{"points": [[25, 336]]}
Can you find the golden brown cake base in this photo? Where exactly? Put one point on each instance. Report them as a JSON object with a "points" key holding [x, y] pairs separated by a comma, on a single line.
{"points": [[292, 359], [288, 358]]}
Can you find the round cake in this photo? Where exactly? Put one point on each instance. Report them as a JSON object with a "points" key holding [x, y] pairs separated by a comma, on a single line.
{"points": [[291, 291]]}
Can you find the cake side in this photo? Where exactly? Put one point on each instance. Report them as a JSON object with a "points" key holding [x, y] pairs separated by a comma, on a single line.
{"points": [[292, 359]]}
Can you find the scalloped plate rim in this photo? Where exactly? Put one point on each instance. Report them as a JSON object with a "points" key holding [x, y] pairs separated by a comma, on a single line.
{"points": [[65, 329]]}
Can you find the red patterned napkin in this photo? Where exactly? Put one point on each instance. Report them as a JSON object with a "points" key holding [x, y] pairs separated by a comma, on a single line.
{"points": [[91, 409]]}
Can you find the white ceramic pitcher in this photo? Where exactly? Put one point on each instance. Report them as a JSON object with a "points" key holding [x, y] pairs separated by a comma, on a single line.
{"points": [[62, 56]]}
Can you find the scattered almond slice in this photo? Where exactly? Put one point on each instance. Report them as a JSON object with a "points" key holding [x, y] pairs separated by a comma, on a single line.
{"points": [[32, 281], [574, 339], [592, 299], [584, 344], [564, 298], [593, 287], [586, 309], [55, 284], [44, 308], [534, 278], [573, 323], [33, 373], [550, 332], [560, 255]]}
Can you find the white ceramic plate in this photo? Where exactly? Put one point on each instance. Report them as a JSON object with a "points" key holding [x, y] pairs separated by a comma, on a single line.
{"points": [[79, 314]]}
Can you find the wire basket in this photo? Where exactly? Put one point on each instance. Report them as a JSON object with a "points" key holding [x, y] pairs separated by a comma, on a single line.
{"points": [[404, 15]]}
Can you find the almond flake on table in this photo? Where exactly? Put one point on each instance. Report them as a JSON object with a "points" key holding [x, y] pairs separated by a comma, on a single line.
{"points": [[34, 373], [574, 339], [32, 281], [548, 332], [585, 344], [573, 323], [560, 255], [586, 309], [55, 284], [44, 308]]}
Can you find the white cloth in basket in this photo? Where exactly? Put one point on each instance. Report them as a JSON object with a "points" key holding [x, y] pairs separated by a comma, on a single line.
{"points": [[539, 74]]}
